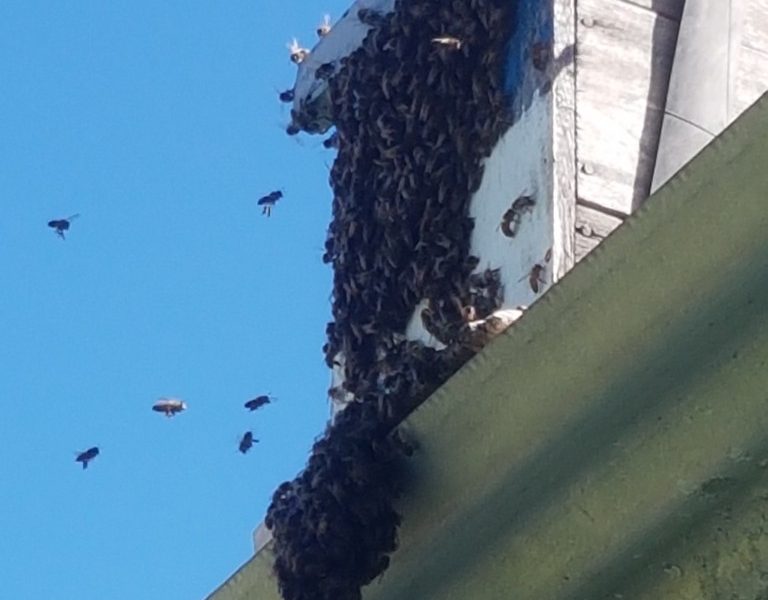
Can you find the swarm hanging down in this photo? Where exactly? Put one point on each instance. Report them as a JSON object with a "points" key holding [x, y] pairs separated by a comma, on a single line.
{"points": [[414, 118]]}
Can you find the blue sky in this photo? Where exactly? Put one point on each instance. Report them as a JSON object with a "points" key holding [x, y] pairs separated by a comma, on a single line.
{"points": [[159, 123]]}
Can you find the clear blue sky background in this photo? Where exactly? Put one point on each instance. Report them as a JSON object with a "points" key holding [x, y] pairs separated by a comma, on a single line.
{"points": [[159, 123]]}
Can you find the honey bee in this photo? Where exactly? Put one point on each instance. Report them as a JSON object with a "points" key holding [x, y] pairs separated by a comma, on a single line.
{"points": [[510, 221], [62, 225], [448, 42], [512, 218], [535, 277], [246, 442], [269, 201], [524, 204], [169, 406], [298, 54], [325, 27], [258, 402], [537, 273], [87, 456]]}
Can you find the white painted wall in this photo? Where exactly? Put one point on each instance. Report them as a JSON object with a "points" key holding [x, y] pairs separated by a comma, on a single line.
{"points": [[520, 164]]}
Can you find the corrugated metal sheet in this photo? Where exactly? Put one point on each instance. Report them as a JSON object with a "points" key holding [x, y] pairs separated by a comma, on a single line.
{"points": [[612, 443]]}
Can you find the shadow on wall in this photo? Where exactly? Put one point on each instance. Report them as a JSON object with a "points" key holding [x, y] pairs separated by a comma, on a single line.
{"points": [[531, 66], [662, 56]]}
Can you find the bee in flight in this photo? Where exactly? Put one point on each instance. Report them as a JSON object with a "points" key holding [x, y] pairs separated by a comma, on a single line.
{"points": [[258, 402], [169, 406], [268, 202], [246, 442], [325, 27], [62, 225], [87, 456], [298, 54]]}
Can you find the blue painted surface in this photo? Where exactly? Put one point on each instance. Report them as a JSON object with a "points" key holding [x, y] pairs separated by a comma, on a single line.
{"points": [[533, 26]]}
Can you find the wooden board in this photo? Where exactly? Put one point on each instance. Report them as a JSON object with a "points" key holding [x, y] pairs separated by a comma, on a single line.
{"points": [[672, 9], [564, 139], [623, 59], [592, 227], [756, 25], [751, 80]]}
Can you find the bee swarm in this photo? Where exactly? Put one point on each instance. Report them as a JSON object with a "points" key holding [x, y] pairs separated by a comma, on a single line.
{"points": [[414, 120]]}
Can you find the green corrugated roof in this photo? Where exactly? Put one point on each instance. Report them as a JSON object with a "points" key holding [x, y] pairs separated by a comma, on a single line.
{"points": [[614, 442]]}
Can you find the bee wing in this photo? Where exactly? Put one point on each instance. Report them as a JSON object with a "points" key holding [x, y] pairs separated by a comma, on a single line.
{"points": [[75, 216]]}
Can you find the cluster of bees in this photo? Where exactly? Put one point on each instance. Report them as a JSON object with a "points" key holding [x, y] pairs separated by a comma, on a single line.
{"points": [[335, 524], [416, 110], [171, 407]]}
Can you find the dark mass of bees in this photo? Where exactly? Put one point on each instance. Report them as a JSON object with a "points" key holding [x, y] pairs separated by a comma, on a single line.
{"points": [[416, 110]]}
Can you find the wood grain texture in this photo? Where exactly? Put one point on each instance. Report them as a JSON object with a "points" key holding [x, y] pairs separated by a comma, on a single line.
{"points": [[751, 79], [564, 138], [592, 227], [756, 25], [623, 59], [672, 9]]}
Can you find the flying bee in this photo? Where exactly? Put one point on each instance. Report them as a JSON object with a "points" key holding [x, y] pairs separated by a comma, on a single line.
{"points": [[62, 225], [87, 456], [268, 202], [298, 54], [169, 406], [286, 96], [370, 17], [512, 218], [325, 27], [259, 401], [448, 42], [246, 442]]}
